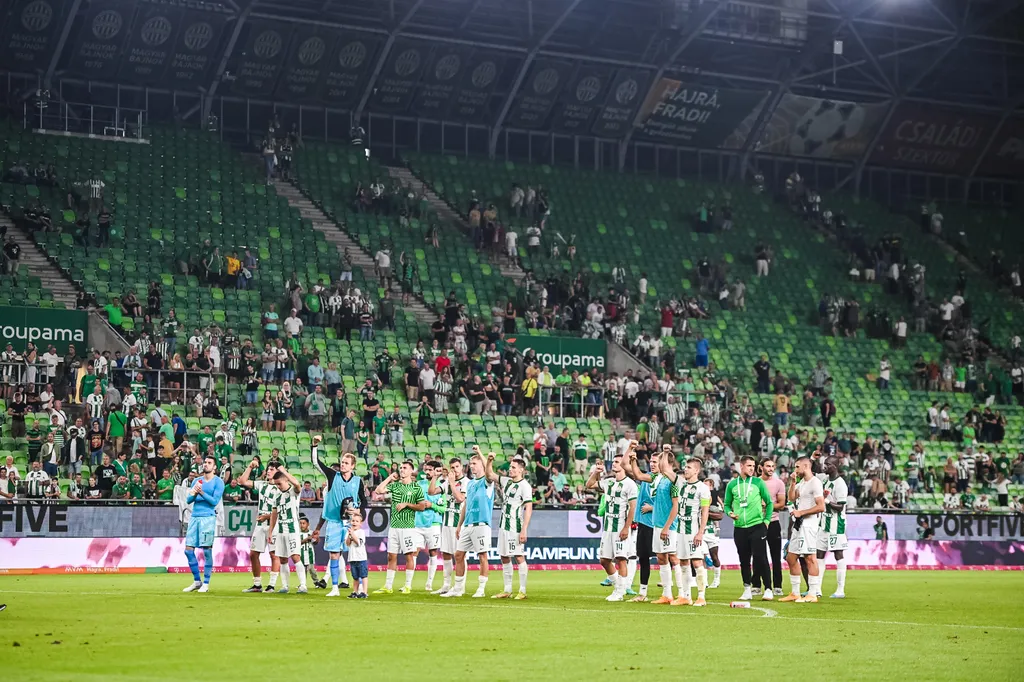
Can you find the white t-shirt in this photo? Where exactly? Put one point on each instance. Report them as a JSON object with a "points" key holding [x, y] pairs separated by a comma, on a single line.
{"points": [[901, 329], [293, 325], [383, 259], [510, 240], [933, 417], [947, 311], [357, 550], [885, 367], [807, 493], [533, 236], [427, 377], [643, 285]]}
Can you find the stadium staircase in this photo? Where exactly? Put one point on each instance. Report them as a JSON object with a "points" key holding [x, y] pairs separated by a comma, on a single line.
{"points": [[35, 261]]}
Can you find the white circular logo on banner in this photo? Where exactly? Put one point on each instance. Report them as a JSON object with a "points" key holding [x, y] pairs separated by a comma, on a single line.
{"points": [[408, 62], [198, 36], [36, 16], [588, 88], [545, 81], [267, 45], [107, 24], [626, 92], [352, 55], [156, 31], [484, 74], [311, 51], [447, 67]]}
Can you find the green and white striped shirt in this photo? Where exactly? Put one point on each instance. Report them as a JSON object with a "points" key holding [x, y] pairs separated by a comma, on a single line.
{"points": [[450, 519], [692, 498], [515, 495], [306, 553], [268, 494], [618, 495], [288, 511], [834, 521]]}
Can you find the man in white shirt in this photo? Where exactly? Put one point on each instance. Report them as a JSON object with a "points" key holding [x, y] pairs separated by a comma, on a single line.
{"points": [[196, 343], [156, 415], [51, 360], [643, 287], [293, 323], [382, 264], [36, 481], [900, 330], [511, 238], [946, 308], [427, 378], [533, 238]]}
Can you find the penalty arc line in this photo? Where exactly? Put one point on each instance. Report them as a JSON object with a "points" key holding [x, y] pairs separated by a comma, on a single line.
{"points": [[767, 613]]}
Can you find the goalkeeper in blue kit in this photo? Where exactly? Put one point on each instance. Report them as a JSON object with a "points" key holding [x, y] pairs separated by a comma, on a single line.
{"points": [[204, 497]]}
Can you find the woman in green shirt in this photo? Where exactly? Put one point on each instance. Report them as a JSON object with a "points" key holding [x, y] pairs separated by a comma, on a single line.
{"points": [[379, 424]]}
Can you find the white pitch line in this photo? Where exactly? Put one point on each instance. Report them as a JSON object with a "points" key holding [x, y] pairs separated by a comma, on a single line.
{"points": [[767, 613]]}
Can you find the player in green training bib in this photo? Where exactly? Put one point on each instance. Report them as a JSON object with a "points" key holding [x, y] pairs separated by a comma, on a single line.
{"points": [[407, 498]]}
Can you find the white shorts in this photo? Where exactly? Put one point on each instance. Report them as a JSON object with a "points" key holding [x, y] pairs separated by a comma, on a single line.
{"points": [[804, 541], [430, 538], [403, 540], [258, 541], [614, 548], [448, 542], [832, 542], [710, 540], [688, 549], [509, 545], [475, 539], [286, 545], [660, 546]]}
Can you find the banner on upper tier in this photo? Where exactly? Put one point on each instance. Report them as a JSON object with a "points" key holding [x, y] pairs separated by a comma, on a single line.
{"points": [[29, 30], [471, 102], [256, 67], [558, 352], [693, 115], [1005, 157], [539, 92], [87, 555], [42, 327], [927, 138]]}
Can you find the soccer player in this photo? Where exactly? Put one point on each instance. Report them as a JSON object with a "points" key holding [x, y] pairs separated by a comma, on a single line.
{"points": [[406, 499], [806, 491], [663, 516], [428, 522], [474, 530], [450, 483], [715, 515], [284, 529], [307, 553], [832, 534], [204, 497], [618, 517], [267, 493], [694, 501], [515, 521], [344, 489]]}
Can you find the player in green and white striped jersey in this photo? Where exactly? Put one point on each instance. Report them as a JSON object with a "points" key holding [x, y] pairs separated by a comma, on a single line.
{"points": [[516, 511], [284, 527], [307, 553], [832, 533], [715, 514], [451, 483], [267, 495], [616, 545], [694, 503]]}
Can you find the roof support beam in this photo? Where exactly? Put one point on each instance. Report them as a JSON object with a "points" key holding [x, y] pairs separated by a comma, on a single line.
{"points": [[61, 42], [379, 66], [492, 144], [218, 76]]}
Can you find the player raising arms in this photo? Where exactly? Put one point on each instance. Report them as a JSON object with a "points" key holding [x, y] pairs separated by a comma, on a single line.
{"points": [[285, 534], [344, 489], [832, 534], [661, 515], [694, 503], [406, 499], [474, 530], [202, 527], [715, 514], [806, 491], [267, 496], [515, 521], [621, 493], [451, 484], [428, 522]]}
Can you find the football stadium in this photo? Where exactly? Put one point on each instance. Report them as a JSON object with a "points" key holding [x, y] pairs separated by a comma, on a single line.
{"points": [[577, 332]]}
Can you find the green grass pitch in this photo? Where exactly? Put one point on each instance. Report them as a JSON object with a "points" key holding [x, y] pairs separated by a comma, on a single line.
{"points": [[910, 625]]}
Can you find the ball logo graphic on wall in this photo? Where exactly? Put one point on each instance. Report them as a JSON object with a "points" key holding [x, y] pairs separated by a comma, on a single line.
{"points": [[407, 63], [447, 67], [823, 127], [627, 91], [156, 31], [352, 56], [311, 51], [267, 45], [198, 36], [107, 24], [545, 81], [36, 16], [588, 89], [483, 75]]}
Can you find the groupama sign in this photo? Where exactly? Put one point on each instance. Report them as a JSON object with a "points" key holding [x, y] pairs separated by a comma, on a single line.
{"points": [[557, 352], [42, 327]]}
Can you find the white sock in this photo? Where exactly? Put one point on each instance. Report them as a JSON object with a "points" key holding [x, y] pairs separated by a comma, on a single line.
{"points": [[821, 575], [794, 583], [677, 571], [410, 573], [257, 581], [389, 580], [506, 574], [630, 571], [460, 583], [643, 590], [814, 584], [431, 570], [702, 580], [684, 589], [341, 569], [284, 575], [301, 570], [718, 573], [524, 570], [273, 578], [449, 568], [481, 582], [665, 572], [841, 576]]}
